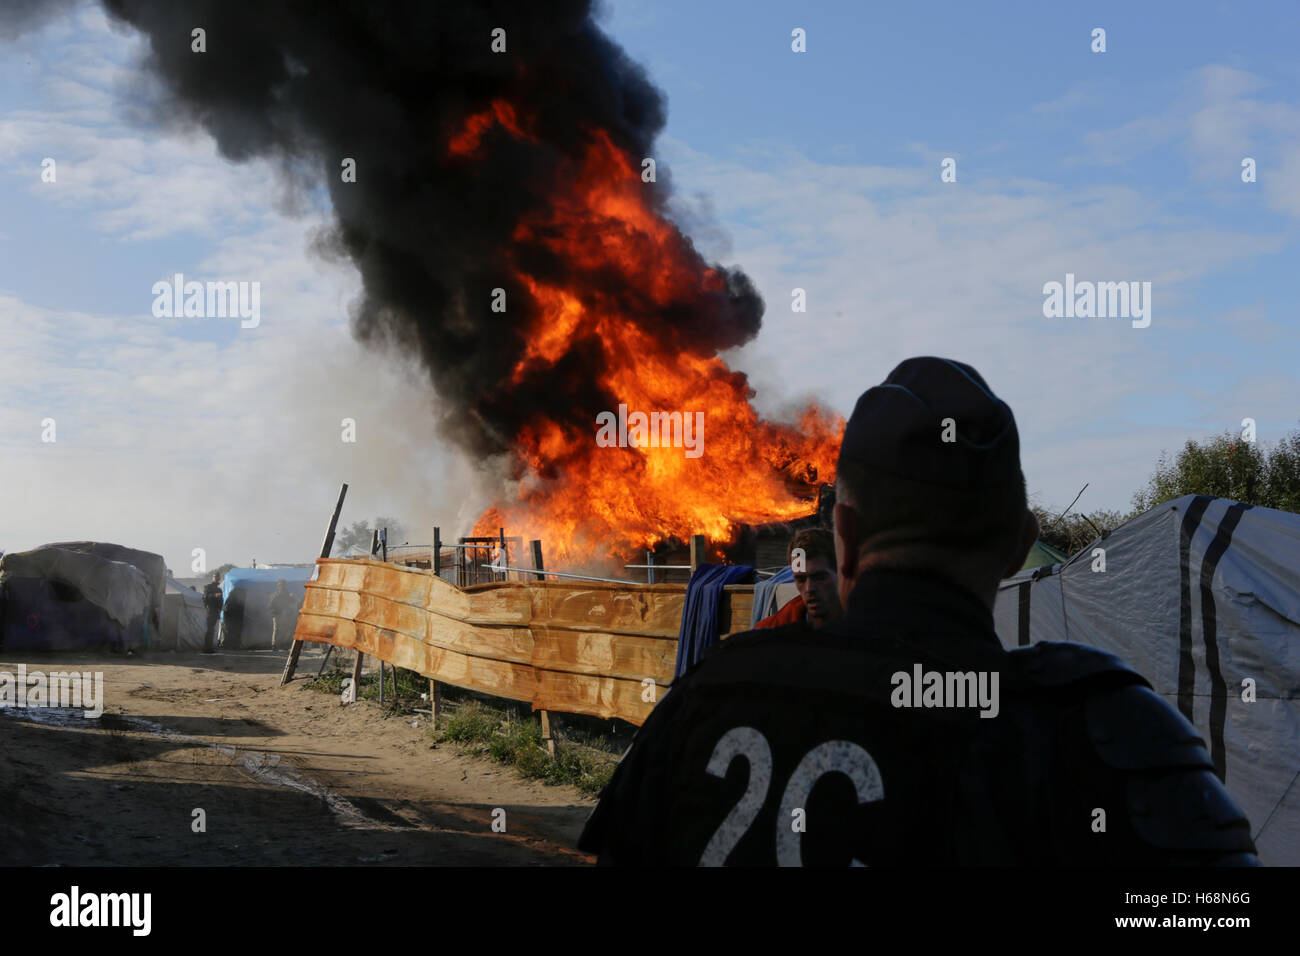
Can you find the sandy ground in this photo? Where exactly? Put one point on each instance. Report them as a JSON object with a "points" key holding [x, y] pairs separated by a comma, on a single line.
{"points": [[286, 776]]}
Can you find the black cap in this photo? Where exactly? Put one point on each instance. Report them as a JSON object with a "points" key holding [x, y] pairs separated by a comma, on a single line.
{"points": [[898, 427]]}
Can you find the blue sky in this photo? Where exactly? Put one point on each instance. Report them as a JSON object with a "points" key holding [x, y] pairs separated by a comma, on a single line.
{"points": [[817, 170]]}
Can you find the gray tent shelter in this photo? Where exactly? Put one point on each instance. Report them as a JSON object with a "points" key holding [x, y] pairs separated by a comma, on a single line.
{"points": [[151, 565], [1202, 597], [184, 618], [52, 599]]}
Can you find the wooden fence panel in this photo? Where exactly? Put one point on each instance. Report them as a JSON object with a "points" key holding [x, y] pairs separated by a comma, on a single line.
{"points": [[572, 648]]}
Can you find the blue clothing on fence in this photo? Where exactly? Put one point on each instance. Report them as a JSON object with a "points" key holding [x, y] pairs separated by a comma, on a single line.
{"points": [[700, 615], [765, 595]]}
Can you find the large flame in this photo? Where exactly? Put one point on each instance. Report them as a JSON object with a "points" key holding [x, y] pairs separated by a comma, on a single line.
{"points": [[593, 505]]}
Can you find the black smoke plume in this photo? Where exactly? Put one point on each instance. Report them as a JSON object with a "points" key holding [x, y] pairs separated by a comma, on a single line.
{"points": [[388, 84]]}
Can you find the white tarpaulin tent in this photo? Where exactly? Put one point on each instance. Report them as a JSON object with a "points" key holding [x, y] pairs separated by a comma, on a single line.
{"points": [[184, 616], [1202, 597]]}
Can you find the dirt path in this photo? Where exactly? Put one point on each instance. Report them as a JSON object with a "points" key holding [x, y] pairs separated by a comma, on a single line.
{"points": [[286, 776]]}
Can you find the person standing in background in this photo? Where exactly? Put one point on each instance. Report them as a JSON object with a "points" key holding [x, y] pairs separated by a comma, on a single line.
{"points": [[212, 603]]}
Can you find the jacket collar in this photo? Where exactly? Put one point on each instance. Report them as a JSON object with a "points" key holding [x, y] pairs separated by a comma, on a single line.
{"points": [[911, 602]]}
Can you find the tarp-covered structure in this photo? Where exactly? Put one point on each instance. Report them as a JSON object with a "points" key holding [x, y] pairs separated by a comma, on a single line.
{"points": [[184, 617], [1042, 554], [246, 603], [1201, 596], [151, 565], [54, 599]]}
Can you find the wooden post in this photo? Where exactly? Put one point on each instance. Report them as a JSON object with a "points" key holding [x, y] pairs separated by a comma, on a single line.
{"points": [[437, 552], [699, 551], [295, 648], [505, 560], [329, 649], [356, 677], [546, 733], [536, 547], [435, 701], [650, 571]]}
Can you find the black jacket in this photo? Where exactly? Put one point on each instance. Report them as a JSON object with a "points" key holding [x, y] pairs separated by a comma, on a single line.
{"points": [[793, 745], [212, 597]]}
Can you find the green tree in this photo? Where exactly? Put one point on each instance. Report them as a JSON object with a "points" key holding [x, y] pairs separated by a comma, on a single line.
{"points": [[1074, 531], [1227, 467], [1283, 474]]}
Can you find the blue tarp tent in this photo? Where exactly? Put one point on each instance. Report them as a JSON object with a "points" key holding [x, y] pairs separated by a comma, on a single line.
{"points": [[248, 616]]}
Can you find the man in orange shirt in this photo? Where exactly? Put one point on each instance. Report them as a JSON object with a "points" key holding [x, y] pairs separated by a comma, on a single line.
{"points": [[812, 559]]}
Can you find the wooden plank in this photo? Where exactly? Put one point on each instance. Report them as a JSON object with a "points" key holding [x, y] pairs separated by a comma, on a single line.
{"points": [[593, 654], [547, 738], [502, 603], [535, 546], [295, 647], [597, 696], [508, 644], [500, 678], [318, 628], [356, 677], [501, 643], [734, 611], [382, 611], [699, 551], [604, 655], [435, 701], [634, 610]]}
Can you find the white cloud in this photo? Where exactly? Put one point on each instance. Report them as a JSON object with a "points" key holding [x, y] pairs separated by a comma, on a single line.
{"points": [[897, 265], [168, 444], [1221, 117], [1084, 93], [135, 188]]}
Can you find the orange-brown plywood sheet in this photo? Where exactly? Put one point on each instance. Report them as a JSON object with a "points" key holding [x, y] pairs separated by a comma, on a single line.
{"points": [[601, 649]]}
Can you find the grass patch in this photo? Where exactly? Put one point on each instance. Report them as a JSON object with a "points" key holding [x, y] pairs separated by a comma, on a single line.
{"points": [[331, 682], [587, 748], [510, 738], [410, 686], [469, 725]]}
